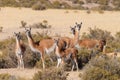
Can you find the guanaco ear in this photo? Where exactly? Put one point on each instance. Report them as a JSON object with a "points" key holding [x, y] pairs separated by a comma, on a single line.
{"points": [[81, 23], [19, 33], [76, 23]]}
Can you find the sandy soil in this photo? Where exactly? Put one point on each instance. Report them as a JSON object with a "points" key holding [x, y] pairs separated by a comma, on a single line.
{"points": [[60, 20], [26, 73], [29, 73]]}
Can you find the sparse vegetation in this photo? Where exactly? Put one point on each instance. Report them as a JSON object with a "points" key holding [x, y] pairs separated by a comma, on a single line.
{"points": [[102, 68], [23, 24], [51, 74], [38, 6], [76, 4], [44, 24], [6, 76]]}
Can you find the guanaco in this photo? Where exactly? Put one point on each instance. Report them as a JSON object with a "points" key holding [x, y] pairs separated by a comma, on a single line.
{"points": [[44, 46], [19, 50], [68, 53]]}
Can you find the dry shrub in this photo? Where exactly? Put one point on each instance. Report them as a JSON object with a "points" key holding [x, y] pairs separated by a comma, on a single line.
{"points": [[43, 25], [23, 24], [1, 29], [38, 6], [7, 59], [50, 74], [93, 34], [6, 76], [102, 68], [84, 56]]}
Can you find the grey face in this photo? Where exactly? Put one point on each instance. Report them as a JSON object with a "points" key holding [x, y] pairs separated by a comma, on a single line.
{"points": [[73, 30], [78, 26], [17, 35], [56, 41], [28, 32]]}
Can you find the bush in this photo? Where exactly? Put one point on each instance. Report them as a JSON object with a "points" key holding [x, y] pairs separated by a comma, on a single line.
{"points": [[23, 24], [6, 76], [102, 68], [84, 56], [50, 74], [1, 29], [103, 34], [38, 6], [43, 25], [7, 59]]}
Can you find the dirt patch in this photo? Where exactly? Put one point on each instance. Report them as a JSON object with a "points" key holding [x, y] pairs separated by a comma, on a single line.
{"points": [[26, 73]]}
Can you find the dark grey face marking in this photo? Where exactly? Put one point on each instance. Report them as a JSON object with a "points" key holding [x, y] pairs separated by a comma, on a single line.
{"points": [[17, 35], [78, 25], [73, 30]]}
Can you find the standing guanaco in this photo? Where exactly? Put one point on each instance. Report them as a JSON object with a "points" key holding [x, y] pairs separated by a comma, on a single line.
{"points": [[44, 46], [19, 50]]}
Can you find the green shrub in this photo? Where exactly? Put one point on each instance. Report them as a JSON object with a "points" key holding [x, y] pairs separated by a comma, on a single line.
{"points": [[50, 74], [102, 68]]}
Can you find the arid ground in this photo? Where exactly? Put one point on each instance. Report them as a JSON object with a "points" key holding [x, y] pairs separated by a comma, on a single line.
{"points": [[60, 20]]}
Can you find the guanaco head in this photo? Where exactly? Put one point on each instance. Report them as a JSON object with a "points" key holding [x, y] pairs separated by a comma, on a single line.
{"points": [[102, 44], [78, 26], [73, 29], [28, 31], [17, 35]]}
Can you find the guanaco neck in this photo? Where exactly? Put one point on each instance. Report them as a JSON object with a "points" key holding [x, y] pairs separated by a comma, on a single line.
{"points": [[30, 41], [76, 37], [17, 43]]}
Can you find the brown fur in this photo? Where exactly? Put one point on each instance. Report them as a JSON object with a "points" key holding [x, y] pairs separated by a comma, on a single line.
{"points": [[69, 53], [46, 43], [88, 43], [92, 43]]}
